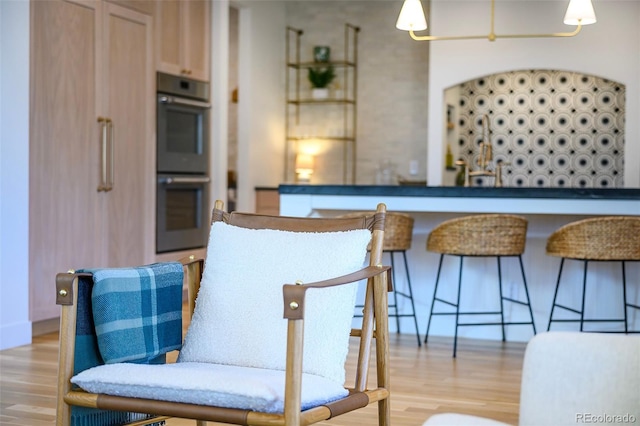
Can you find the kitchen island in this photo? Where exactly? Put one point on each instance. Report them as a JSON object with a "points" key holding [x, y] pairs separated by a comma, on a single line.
{"points": [[579, 201], [546, 209]]}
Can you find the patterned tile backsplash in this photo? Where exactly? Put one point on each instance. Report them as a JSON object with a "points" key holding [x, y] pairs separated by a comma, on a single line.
{"points": [[555, 128]]}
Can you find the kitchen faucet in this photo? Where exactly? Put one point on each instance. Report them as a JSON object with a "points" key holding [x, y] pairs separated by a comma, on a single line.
{"points": [[485, 158], [486, 149]]}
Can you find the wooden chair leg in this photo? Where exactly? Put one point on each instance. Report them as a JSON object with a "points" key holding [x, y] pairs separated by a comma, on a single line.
{"points": [[382, 346], [293, 384], [68, 319]]}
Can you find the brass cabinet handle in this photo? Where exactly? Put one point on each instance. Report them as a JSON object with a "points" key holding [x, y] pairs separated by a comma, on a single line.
{"points": [[111, 155], [103, 154]]}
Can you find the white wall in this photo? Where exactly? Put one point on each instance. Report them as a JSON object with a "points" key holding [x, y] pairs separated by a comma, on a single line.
{"points": [[219, 99], [15, 327], [260, 97], [608, 49], [260, 109]]}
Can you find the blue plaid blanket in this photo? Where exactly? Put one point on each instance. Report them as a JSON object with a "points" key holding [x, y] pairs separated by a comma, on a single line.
{"points": [[137, 312], [87, 355]]}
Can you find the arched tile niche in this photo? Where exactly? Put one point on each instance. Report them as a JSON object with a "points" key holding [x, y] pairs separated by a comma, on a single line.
{"points": [[553, 128]]}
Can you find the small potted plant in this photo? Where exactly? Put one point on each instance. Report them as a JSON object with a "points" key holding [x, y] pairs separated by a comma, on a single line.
{"points": [[320, 78]]}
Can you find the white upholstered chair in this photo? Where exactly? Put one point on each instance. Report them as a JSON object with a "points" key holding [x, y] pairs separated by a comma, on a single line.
{"points": [[572, 378]]}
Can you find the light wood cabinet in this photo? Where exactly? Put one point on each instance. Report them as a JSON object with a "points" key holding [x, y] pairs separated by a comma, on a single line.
{"points": [[183, 37], [90, 60], [145, 6], [267, 201]]}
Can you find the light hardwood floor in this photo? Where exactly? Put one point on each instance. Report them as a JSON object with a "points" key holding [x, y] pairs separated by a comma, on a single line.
{"points": [[483, 380]]}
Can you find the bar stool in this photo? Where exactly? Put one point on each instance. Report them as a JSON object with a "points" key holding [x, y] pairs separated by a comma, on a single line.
{"points": [[487, 235], [603, 239], [398, 234]]}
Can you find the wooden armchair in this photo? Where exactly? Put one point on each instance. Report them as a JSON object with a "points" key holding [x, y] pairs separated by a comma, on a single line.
{"points": [[241, 362]]}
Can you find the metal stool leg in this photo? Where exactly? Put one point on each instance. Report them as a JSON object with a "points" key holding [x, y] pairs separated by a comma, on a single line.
{"points": [[526, 293], [501, 299], [395, 294], [584, 294], [624, 298], [413, 307], [433, 299], [555, 294], [455, 337]]}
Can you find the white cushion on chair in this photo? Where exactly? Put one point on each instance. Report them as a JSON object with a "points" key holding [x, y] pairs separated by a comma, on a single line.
{"points": [[238, 319], [206, 384]]}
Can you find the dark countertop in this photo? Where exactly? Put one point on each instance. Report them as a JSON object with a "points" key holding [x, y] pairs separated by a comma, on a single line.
{"points": [[457, 191]]}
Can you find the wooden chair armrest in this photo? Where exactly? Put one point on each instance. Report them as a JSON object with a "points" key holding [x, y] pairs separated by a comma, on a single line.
{"points": [[190, 260], [294, 294], [65, 288]]}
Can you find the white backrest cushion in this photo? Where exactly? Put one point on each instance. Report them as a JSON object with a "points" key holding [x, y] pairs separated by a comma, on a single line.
{"points": [[238, 319], [571, 378]]}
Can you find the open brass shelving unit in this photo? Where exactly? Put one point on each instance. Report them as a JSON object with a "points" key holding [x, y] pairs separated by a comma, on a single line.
{"points": [[299, 101]]}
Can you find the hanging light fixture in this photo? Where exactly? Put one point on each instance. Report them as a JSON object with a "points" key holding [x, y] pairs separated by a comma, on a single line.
{"points": [[412, 18]]}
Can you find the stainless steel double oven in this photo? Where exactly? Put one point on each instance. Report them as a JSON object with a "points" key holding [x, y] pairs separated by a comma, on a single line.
{"points": [[182, 163]]}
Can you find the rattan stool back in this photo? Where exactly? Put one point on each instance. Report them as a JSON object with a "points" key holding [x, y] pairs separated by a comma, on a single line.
{"points": [[398, 230], [480, 235], [602, 238]]}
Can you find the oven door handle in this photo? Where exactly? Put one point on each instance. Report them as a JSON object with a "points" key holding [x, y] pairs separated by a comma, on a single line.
{"points": [[177, 180], [181, 101]]}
